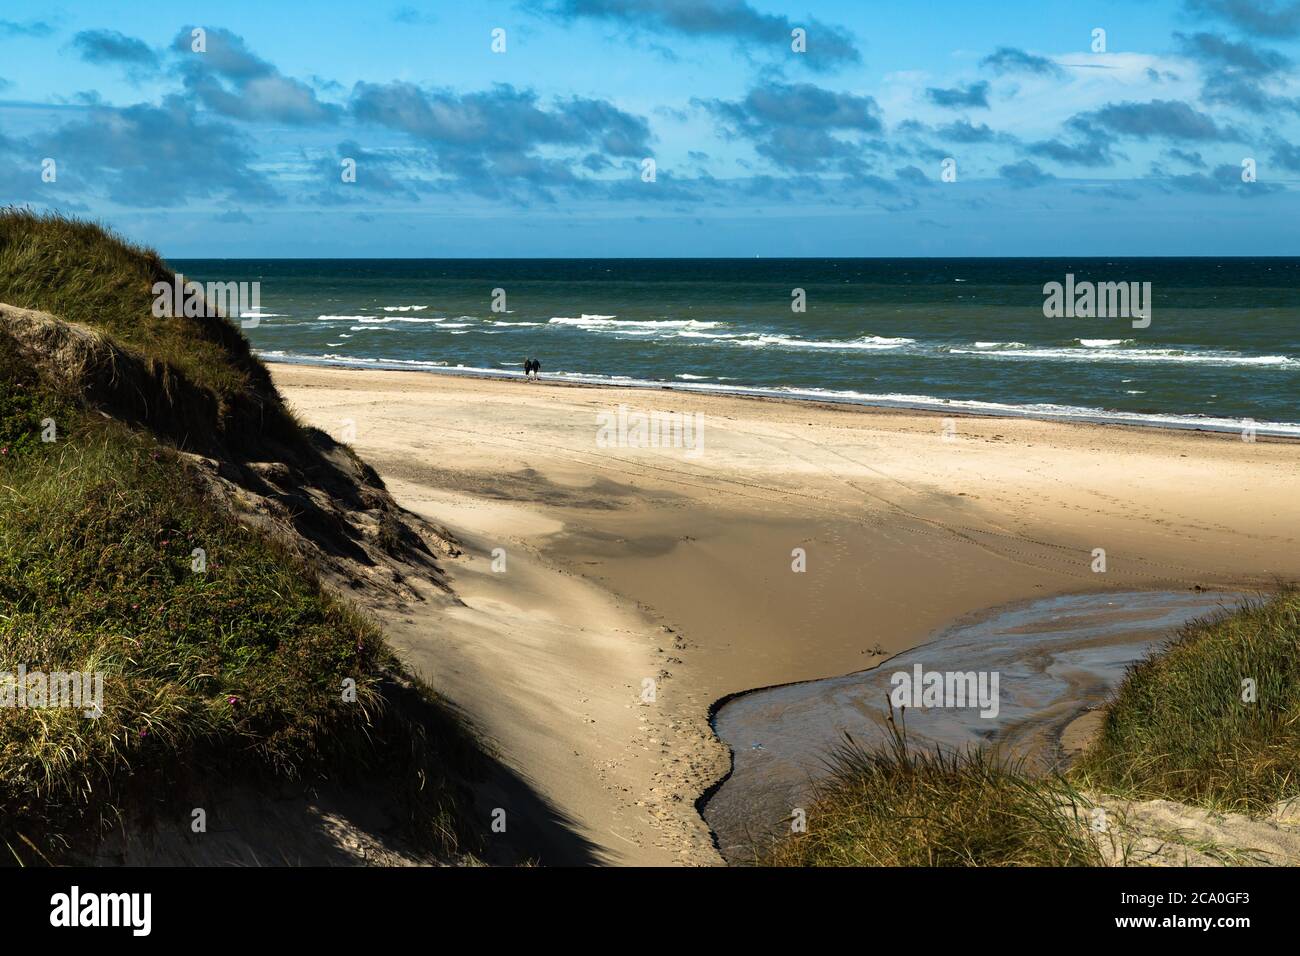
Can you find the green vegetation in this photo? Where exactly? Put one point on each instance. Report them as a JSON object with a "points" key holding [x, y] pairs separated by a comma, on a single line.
{"points": [[24, 404], [233, 669], [899, 807], [80, 273], [1179, 728]]}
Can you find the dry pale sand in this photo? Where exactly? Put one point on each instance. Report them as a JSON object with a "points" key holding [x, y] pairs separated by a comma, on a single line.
{"points": [[627, 565], [1165, 833]]}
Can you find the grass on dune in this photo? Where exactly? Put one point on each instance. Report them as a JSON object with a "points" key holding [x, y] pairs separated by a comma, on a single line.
{"points": [[239, 668], [79, 272], [1181, 726], [242, 668], [896, 806]]}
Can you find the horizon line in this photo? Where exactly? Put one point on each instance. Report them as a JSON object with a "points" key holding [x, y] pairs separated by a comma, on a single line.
{"points": [[699, 258]]}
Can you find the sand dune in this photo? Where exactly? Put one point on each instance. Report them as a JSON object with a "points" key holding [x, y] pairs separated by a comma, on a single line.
{"points": [[908, 522]]}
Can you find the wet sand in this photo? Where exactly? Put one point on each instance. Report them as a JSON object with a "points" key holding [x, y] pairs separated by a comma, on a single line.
{"points": [[907, 527]]}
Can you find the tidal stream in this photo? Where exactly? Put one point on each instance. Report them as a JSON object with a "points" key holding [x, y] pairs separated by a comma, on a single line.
{"points": [[1055, 660]]}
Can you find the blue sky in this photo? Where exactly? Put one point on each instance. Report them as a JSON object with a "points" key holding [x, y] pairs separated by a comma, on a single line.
{"points": [[540, 150]]}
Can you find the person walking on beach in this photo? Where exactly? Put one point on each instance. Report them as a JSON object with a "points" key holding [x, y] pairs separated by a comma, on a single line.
{"points": [[531, 367]]}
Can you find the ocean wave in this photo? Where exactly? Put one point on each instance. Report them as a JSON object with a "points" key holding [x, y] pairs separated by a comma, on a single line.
{"points": [[262, 315], [343, 318], [872, 342], [613, 323], [1109, 354], [692, 334], [405, 308], [1103, 343], [385, 319]]}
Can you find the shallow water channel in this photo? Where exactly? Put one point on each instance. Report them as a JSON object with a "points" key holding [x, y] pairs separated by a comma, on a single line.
{"points": [[1054, 659]]}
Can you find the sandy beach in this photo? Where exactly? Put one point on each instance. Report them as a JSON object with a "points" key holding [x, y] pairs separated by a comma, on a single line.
{"points": [[635, 587]]}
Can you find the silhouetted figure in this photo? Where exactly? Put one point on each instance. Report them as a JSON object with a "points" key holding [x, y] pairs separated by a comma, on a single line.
{"points": [[531, 367]]}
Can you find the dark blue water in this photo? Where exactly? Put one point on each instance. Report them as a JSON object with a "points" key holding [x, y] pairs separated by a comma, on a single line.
{"points": [[1223, 343]]}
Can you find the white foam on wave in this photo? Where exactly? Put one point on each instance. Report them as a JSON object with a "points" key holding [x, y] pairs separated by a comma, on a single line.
{"points": [[869, 342], [405, 308], [1136, 356], [385, 319], [381, 325], [344, 318], [613, 323]]}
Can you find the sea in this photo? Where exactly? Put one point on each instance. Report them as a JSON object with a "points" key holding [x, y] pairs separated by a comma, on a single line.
{"points": [[1218, 349]]}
